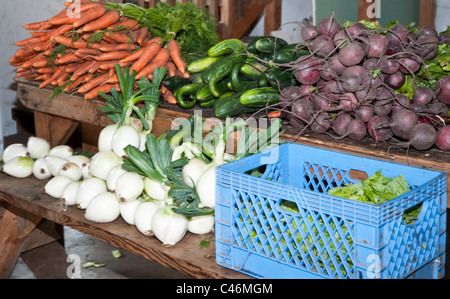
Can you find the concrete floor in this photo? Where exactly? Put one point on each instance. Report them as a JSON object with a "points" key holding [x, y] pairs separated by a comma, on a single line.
{"points": [[90, 249]]}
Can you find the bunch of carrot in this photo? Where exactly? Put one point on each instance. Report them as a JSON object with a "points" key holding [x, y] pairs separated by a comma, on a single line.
{"points": [[77, 52]]}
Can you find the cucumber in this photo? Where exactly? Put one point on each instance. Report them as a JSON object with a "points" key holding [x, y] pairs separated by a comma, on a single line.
{"points": [[230, 106], [289, 54], [226, 47], [222, 70], [238, 83], [185, 95], [207, 73], [266, 44], [201, 64], [259, 97], [252, 70], [204, 94], [280, 78], [175, 82]]}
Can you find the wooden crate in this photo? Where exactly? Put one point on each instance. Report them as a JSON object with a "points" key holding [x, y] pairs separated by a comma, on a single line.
{"points": [[235, 17]]}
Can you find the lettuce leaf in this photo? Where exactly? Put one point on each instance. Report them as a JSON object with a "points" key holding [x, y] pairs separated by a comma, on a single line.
{"points": [[376, 189]]}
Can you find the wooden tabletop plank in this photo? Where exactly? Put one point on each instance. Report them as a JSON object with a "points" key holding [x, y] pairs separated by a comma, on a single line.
{"points": [[187, 256]]}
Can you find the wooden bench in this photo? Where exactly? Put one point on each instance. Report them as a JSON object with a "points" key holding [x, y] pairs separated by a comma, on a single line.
{"points": [[23, 205], [31, 220]]}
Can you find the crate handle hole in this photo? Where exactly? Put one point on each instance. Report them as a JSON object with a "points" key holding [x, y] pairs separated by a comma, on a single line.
{"points": [[412, 215], [258, 171], [288, 206], [357, 175]]}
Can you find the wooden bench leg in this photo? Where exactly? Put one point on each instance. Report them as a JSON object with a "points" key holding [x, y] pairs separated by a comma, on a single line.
{"points": [[16, 226], [38, 241], [56, 130]]}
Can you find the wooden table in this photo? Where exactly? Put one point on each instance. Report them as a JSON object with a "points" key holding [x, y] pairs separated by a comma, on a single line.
{"points": [[25, 206], [57, 119]]}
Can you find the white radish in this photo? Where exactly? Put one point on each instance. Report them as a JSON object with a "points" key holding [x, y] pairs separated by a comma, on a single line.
{"points": [[102, 162], [19, 167], [103, 208], [63, 151], [124, 136], [56, 185], [40, 169], [143, 215], [129, 186], [14, 150], [88, 189], [37, 147]]}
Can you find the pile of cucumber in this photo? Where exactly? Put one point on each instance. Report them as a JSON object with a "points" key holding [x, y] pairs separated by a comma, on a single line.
{"points": [[237, 78]]}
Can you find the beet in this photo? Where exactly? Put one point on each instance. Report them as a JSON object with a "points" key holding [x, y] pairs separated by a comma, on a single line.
{"points": [[357, 29], [382, 107], [443, 89], [329, 26], [378, 128], [397, 36], [323, 45], [395, 80], [351, 54], [355, 130], [422, 95], [388, 66], [443, 138], [355, 78], [378, 45], [402, 123], [321, 123], [307, 71], [340, 123], [309, 32], [422, 137], [303, 109], [364, 113]]}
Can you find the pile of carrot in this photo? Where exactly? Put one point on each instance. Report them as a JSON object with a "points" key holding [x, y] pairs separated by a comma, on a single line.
{"points": [[77, 52]]}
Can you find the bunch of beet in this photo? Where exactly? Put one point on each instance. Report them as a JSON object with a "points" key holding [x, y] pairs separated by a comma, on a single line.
{"points": [[348, 85]]}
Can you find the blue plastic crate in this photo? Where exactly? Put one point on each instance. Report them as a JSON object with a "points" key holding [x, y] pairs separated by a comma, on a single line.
{"points": [[325, 236]]}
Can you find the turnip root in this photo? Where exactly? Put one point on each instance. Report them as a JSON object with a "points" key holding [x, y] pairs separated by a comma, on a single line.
{"points": [[443, 138]]}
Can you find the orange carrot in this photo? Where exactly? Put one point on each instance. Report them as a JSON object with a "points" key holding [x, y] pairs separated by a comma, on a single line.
{"points": [[274, 114], [103, 22], [45, 69], [27, 64], [71, 57], [93, 83], [94, 92], [120, 38], [125, 23], [117, 47], [42, 46], [174, 50], [27, 41], [70, 68], [133, 56], [60, 30], [90, 15], [171, 68], [38, 33], [86, 51], [83, 69], [77, 82], [94, 67], [112, 55], [169, 97], [68, 42], [36, 25], [150, 51], [158, 61], [111, 64], [55, 75], [40, 63], [142, 34]]}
